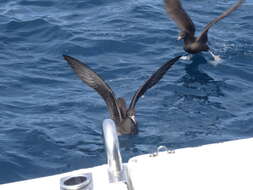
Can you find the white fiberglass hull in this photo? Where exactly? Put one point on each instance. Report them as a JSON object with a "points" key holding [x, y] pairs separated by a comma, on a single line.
{"points": [[222, 166]]}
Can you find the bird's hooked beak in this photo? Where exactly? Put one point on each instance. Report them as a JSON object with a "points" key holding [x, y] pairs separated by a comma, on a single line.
{"points": [[133, 119], [180, 37]]}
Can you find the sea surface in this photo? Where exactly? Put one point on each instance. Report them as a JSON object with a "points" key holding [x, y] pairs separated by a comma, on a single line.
{"points": [[50, 122]]}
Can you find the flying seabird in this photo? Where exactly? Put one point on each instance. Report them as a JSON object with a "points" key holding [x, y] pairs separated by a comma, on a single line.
{"points": [[123, 117], [193, 44]]}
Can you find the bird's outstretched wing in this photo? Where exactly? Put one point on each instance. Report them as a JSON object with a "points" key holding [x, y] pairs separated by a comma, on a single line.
{"points": [[178, 14], [93, 80], [154, 79], [203, 36]]}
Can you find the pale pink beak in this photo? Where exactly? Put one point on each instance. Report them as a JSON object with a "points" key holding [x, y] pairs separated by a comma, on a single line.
{"points": [[133, 118], [179, 37]]}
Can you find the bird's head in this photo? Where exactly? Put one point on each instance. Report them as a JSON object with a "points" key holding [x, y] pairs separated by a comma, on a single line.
{"points": [[181, 35], [131, 115], [129, 125]]}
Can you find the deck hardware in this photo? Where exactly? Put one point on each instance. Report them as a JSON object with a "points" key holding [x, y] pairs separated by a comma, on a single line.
{"points": [[161, 149], [116, 169], [77, 182]]}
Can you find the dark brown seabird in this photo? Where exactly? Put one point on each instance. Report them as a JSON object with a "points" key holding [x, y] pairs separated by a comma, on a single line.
{"points": [[193, 44], [123, 117]]}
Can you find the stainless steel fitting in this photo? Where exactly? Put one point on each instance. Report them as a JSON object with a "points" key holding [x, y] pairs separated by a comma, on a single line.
{"points": [[77, 182], [115, 167]]}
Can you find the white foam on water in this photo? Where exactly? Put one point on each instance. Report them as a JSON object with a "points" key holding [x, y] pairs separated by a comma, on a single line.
{"points": [[217, 59], [186, 57]]}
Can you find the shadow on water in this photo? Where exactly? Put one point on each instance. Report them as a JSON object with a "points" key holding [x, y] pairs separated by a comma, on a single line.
{"points": [[194, 74], [194, 111], [197, 83]]}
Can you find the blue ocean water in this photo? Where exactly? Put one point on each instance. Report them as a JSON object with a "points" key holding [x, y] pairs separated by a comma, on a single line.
{"points": [[51, 122]]}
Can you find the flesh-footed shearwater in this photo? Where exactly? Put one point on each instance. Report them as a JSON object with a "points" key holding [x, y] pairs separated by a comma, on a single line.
{"points": [[123, 117], [193, 44]]}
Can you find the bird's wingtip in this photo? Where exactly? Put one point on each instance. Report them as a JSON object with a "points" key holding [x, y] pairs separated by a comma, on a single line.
{"points": [[66, 57]]}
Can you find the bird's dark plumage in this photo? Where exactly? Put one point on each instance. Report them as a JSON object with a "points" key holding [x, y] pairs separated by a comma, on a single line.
{"points": [[182, 19], [153, 80], [193, 44], [124, 117], [95, 81]]}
